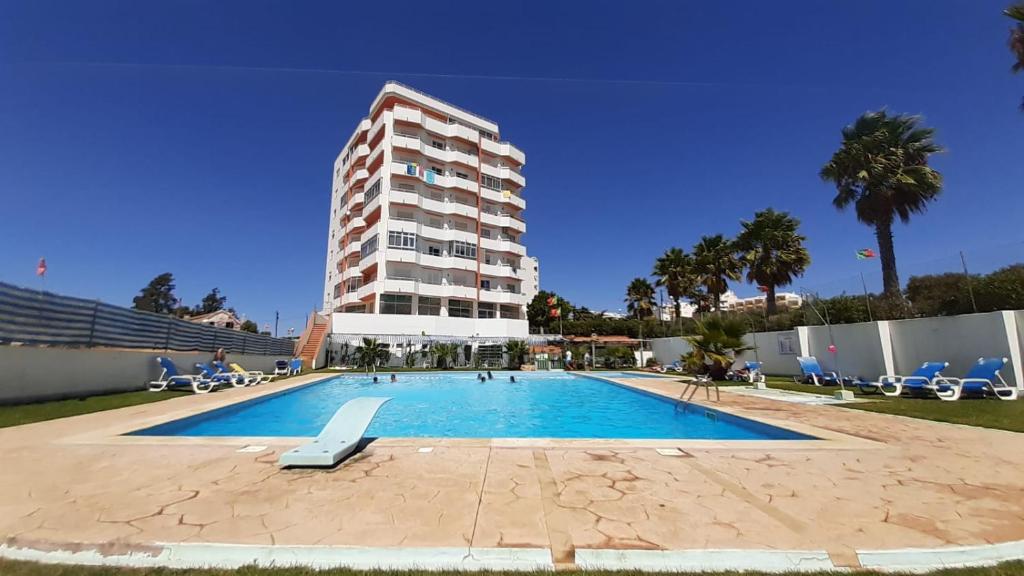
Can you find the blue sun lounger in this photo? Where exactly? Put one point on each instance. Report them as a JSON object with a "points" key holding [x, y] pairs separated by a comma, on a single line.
{"points": [[171, 376], [215, 375], [894, 385], [813, 374], [339, 438], [983, 378]]}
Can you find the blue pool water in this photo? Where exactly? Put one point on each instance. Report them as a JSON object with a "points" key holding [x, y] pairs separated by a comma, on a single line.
{"points": [[457, 405]]}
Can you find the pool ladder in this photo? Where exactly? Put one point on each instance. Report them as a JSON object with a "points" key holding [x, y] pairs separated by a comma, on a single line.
{"points": [[692, 386]]}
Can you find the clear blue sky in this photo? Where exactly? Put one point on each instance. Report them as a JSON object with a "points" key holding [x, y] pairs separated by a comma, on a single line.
{"points": [[198, 137]]}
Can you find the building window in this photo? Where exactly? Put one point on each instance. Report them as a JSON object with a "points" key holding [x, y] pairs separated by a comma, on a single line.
{"points": [[462, 249], [485, 310], [510, 312], [429, 306], [368, 246], [372, 192], [402, 240], [433, 251], [490, 182], [462, 175], [337, 290], [436, 144], [395, 304], [460, 308], [486, 135], [485, 284]]}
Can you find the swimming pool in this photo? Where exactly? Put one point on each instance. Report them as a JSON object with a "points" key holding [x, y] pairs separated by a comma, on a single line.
{"points": [[457, 405]]}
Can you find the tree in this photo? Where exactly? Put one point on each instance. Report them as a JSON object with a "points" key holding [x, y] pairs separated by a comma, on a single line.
{"points": [[674, 271], [1016, 42], [715, 346], [715, 263], [772, 252], [212, 302], [157, 296], [538, 312], [516, 350], [881, 169], [250, 326], [371, 354], [446, 354], [640, 298]]}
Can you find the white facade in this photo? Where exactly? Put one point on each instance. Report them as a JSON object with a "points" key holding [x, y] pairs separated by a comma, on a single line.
{"points": [[783, 300], [531, 286], [426, 224]]}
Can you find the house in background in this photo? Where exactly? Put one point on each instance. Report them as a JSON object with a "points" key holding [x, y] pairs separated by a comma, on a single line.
{"points": [[220, 319]]}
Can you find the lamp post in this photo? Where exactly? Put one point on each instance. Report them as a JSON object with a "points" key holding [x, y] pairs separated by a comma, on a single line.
{"points": [[593, 348]]}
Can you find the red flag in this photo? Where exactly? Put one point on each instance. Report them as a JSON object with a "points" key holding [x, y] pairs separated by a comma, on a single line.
{"points": [[552, 300], [41, 267], [763, 289], [555, 312]]}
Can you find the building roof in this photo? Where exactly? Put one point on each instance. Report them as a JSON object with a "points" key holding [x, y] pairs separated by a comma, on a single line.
{"points": [[603, 339], [201, 317]]}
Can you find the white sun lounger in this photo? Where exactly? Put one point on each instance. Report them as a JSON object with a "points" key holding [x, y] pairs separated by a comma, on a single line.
{"points": [[339, 438]]}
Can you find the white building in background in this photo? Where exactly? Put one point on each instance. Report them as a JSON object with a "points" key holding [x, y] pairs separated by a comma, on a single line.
{"points": [[426, 224], [783, 300], [531, 286]]}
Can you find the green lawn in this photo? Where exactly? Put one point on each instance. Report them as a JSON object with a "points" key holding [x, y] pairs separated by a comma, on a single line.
{"points": [[11, 568], [28, 413], [987, 413]]}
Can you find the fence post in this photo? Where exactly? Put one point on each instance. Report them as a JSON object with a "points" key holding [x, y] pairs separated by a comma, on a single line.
{"points": [[92, 324], [243, 343], [215, 330]]}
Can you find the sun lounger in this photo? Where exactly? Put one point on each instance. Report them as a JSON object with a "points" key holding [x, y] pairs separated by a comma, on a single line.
{"points": [[675, 367], [894, 385], [813, 374], [983, 378], [171, 376], [216, 376], [280, 368], [339, 438], [295, 366], [257, 376]]}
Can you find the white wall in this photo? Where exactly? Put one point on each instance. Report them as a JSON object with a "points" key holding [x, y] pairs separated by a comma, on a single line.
{"points": [[871, 349], [859, 349], [773, 350], [31, 373], [668, 350], [431, 325], [959, 340]]}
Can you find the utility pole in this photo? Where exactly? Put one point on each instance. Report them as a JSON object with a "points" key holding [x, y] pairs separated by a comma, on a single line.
{"points": [[277, 317]]}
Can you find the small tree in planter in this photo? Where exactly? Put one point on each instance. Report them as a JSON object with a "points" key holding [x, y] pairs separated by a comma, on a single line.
{"points": [[715, 346], [516, 350]]}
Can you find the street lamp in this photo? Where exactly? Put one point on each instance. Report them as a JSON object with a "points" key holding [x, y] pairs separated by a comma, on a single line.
{"points": [[593, 348]]}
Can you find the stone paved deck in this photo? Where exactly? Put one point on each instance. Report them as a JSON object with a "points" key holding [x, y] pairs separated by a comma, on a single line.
{"points": [[875, 482]]}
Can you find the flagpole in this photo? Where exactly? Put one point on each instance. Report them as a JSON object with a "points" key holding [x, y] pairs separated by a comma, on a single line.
{"points": [[867, 299]]}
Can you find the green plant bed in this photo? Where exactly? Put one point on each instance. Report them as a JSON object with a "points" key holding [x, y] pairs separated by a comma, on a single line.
{"points": [[985, 413], [41, 411]]}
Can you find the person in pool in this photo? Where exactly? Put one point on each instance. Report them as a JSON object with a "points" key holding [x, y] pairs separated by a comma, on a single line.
{"points": [[511, 378], [375, 380], [394, 378], [489, 375]]}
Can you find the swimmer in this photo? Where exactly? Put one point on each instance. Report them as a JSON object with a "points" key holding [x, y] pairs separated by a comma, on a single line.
{"points": [[489, 375], [394, 378]]}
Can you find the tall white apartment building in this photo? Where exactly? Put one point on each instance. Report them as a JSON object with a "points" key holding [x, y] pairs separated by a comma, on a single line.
{"points": [[426, 224], [531, 285]]}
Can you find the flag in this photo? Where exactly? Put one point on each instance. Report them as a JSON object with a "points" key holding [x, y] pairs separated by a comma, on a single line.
{"points": [[865, 254], [555, 312], [763, 289], [41, 267], [552, 300]]}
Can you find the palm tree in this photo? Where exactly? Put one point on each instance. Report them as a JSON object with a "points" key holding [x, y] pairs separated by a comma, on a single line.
{"points": [[446, 354], [714, 347], [882, 170], [772, 251], [371, 354], [715, 262], [640, 298], [516, 350], [674, 271], [1016, 12]]}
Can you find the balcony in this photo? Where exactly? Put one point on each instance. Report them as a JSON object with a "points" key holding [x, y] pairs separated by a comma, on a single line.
{"points": [[500, 271], [351, 272], [505, 173], [352, 248], [501, 198], [430, 260], [355, 200], [359, 176], [366, 290], [436, 126], [354, 223], [502, 245], [503, 297], [503, 221], [402, 285], [408, 198], [431, 232], [361, 152], [438, 179], [503, 149]]}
